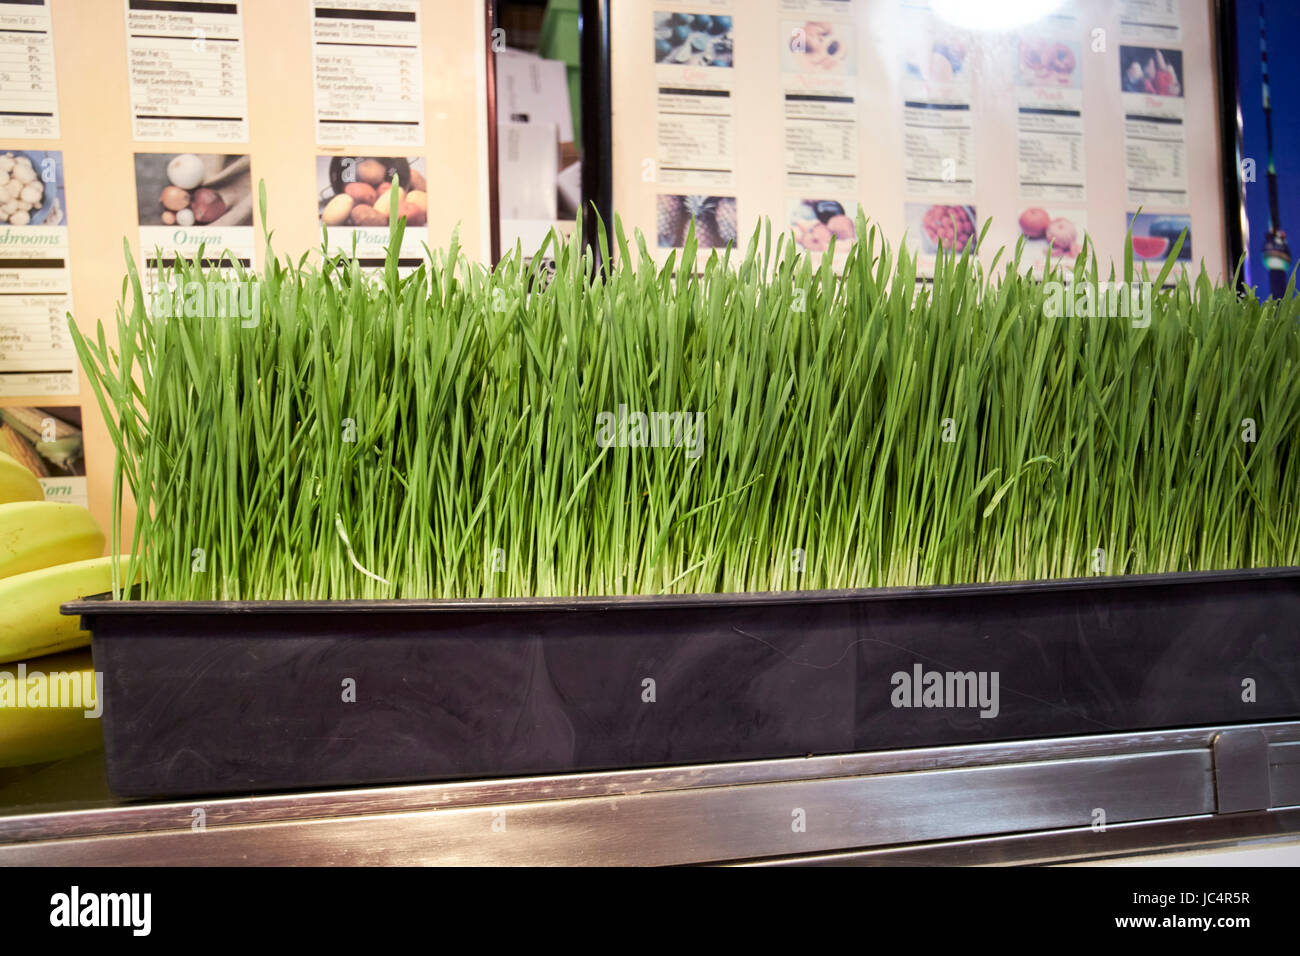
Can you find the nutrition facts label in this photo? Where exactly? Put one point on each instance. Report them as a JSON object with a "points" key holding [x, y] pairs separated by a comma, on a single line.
{"points": [[29, 98], [367, 69], [186, 62], [36, 352]]}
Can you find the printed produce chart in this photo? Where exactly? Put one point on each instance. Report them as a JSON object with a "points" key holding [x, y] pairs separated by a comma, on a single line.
{"points": [[355, 205], [47, 442], [1068, 121], [163, 119], [36, 352], [188, 201]]}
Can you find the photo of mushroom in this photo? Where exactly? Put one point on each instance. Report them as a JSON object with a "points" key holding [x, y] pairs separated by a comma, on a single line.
{"points": [[193, 189], [1056, 233], [31, 188], [815, 222], [353, 190], [1054, 64], [693, 39], [817, 47], [1153, 72], [714, 217]]}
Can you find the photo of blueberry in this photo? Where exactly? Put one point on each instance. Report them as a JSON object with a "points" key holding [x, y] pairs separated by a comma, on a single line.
{"points": [[683, 39]]}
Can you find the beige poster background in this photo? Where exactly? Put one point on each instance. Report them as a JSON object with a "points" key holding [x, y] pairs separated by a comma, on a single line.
{"points": [[759, 184], [94, 113]]}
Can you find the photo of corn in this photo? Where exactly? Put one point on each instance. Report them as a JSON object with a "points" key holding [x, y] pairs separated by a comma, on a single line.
{"points": [[436, 434]]}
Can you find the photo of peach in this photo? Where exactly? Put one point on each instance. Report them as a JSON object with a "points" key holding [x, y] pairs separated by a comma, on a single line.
{"points": [[1048, 63], [816, 222], [1055, 234], [817, 46]]}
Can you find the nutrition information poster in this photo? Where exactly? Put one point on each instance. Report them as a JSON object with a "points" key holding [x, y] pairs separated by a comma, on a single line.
{"points": [[822, 132], [37, 356], [185, 60], [367, 72], [1073, 121], [29, 96], [1152, 68]]}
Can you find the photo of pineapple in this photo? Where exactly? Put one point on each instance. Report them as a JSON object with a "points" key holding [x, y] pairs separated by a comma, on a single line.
{"points": [[714, 218], [671, 224]]}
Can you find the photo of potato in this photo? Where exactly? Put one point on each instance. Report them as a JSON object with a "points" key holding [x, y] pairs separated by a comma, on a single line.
{"points": [[355, 191]]}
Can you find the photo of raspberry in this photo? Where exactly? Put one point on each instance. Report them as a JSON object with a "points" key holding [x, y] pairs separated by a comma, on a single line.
{"points": [[949, 227]]}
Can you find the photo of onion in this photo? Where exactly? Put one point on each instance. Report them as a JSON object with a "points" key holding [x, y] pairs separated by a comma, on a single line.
{"points": [[193, 189]]}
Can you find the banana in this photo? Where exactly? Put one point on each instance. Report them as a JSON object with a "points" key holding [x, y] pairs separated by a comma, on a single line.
{"points": [[17, 483], [41, 534], [32, 728], [30, 622]]}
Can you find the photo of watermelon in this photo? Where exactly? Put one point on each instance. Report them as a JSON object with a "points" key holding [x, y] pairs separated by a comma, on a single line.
{"points": [[1150, 247], [1154, 234]]}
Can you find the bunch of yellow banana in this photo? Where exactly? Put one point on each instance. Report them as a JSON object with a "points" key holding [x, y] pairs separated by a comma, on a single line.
{"points": [[17, 483], [48, 709], [50, 553]]}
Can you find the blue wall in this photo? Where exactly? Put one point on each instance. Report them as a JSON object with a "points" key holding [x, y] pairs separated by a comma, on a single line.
{"points": [[1283, 23]]}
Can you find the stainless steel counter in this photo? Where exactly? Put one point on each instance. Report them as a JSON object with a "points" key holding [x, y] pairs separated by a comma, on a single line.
{"points": [[1055, 800]]}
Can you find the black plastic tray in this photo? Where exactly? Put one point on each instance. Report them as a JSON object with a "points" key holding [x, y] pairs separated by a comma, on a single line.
{"points": [[221, 697]]}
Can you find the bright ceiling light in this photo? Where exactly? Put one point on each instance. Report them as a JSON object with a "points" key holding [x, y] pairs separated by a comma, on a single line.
{"points": [[993, 15]]}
